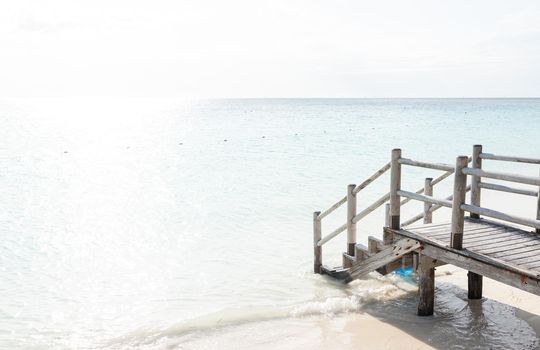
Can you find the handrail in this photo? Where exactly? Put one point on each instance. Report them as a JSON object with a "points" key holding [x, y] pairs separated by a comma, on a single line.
{"points": [[500, 215], [331, 235], [383, 199], [372, 178], [425, 194], [529, 180], [371, 208], [433, 183], [495, 187], [333, 207], [357, 189], [432, 209], [436, 166], [422, 198], [509, 158]]}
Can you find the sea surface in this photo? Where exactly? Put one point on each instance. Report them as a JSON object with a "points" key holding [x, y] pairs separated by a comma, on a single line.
{"points": [[154, 223]]}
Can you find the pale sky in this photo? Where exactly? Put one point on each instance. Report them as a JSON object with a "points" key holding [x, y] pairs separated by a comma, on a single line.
{"points": [[304, 48]]}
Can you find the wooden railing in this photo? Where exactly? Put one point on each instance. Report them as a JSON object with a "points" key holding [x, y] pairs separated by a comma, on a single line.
{"points": [[477, 184], [456, 201], [353, 217]]}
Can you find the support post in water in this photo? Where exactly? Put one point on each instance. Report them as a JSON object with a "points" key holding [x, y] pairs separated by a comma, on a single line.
{"points": [[317, 251], [426, 285], [351, 226], [474, 285], [475, 180], [395, 186], [458, 214], [428, 191]]}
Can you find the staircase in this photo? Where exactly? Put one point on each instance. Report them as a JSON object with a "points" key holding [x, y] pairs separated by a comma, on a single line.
{"points": [[380, 257], [496, 249], [383, 256]]}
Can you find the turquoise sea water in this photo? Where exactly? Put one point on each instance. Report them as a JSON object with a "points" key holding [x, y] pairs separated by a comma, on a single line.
{"points": [[128, 221]]}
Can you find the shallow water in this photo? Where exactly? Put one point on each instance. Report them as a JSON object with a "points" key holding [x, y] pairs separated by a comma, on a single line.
{"points": [[130, 221]]}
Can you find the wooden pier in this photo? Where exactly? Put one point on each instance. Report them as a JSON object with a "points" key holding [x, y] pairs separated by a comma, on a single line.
{"points": [[487, 242]]}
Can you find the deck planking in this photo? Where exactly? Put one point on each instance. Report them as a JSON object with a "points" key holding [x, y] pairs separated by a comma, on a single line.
{"points": [[511, 245]]}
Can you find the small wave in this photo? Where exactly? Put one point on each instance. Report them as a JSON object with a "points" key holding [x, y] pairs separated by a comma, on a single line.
{"points": [[357, 294], [362, 292]]}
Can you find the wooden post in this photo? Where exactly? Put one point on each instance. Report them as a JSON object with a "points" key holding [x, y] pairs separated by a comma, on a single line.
{"points": [[474, 285], [395, 186], [351, 213], [426, 285], [538, 209], [458, 215], [388, 238], [428, 191], [387, 215], [317, 251], [475, 181]]}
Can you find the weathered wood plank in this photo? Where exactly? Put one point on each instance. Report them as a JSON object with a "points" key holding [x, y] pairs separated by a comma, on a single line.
{"points": [[517, 252], [538, 209], [395, 186], [428, 165], [348, 260], [413, 219], [351, 224], [371, 208], [426, 285], [372, 178], [375, 245], [384, 257], [510, 158], [333, 234], [501, 216], [490, 260], [528, 180], [474, 285], [475, 181], [506, 248], [428, 191], [486, 243], [508, 189], [333, 207], [458, 215], [317, 249], [515, 240], [526, 260], [532, 265], [361, 252], [423, 198], [468, 234], [491, 268]]}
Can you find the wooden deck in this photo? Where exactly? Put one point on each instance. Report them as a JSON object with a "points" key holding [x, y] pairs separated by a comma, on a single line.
{"points": [[498, 251], [495, 249]]}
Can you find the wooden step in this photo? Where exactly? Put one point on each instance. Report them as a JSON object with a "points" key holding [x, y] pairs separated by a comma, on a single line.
{"points": [[388, 255], [338, 273], [375, 245], [361, 252], [348, 260]]}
